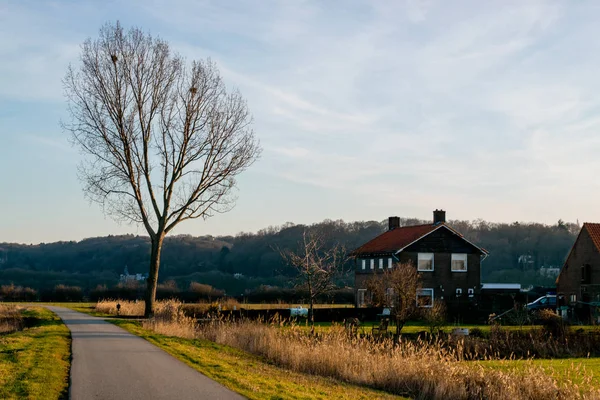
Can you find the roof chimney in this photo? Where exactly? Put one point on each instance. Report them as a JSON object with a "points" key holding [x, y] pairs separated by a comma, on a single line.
{"points": [[393, 223], [439, 216]]}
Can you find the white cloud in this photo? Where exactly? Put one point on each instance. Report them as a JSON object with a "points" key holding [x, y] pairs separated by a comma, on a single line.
{"points": [[489, 107]]}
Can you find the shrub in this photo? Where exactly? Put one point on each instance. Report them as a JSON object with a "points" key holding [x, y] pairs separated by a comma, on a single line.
{"points": [[205, 292], [553, 323], [435, 317], [63, 293], [10, 319], [17, 293]]}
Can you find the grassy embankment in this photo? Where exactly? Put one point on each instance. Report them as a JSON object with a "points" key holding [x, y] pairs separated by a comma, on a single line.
{"points": [[34, 362], [248, 374]]}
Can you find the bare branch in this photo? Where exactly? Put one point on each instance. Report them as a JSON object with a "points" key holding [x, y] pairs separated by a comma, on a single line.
{"points": [[164, 140]]}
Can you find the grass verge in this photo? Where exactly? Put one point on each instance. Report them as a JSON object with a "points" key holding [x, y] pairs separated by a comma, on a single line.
{"points": [[34, 363], [248, 374], [583, 372]]}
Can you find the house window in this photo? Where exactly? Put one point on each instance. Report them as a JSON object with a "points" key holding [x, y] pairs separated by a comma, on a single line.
{"points": [[425, 298], [390, 262], [471, 292], [360, 297], [389, 295], [364, 264], [372, 263], [458, 292], [573, 298], [586, 273], [425, 262], [381, 263], [459, 263]]}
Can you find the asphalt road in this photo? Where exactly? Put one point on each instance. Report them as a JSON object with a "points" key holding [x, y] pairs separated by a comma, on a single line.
{"points": [[109, 363]]}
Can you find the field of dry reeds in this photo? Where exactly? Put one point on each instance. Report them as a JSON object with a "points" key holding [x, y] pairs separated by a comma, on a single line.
{"points": [[136, 308], [410, 368], [10, 318]]}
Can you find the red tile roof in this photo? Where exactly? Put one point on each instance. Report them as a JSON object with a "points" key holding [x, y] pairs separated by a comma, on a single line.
{"points": [[396, 239], [399, 238], [594, 231]]}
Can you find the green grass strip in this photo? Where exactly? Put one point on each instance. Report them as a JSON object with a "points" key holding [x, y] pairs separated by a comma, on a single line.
{"points": [[34, 363], [251, 375]]}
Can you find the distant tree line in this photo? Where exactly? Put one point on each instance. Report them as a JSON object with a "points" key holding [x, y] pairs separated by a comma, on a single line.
{"points": [[247, 261]]}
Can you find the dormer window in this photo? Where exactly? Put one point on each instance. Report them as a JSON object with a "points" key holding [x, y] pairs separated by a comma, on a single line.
{"points": [[425, 262]]}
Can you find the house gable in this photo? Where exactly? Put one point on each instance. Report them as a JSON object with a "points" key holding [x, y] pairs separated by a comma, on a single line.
{"points": [[585, 252], [444, 240]]}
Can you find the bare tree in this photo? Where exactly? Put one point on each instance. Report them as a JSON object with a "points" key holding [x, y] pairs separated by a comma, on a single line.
{"points": [[397, 289], [435, 316], [317, 265], [164, 140]]}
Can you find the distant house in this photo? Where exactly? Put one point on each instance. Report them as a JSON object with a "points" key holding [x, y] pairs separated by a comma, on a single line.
{"points": [[449, 264], [579, 278], [126, 277], [549, 271]]}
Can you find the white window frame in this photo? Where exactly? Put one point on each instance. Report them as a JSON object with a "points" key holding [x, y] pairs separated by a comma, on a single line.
{"points": [[458, 292], [364, 264], [361, 294], [420, 293], [381, 263], [390, 262], [455, 257], [422, 255], [372, 263], [471, 292]]}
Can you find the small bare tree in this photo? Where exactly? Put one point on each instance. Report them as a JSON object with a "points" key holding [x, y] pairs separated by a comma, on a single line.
{"points": [[164, 140], [435, 316], [317, 267], [397, 289]]}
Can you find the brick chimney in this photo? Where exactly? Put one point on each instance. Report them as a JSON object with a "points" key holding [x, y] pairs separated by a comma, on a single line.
{"points": [[439, 216], [393, 223]]}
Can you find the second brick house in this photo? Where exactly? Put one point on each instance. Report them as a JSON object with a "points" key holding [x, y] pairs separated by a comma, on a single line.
{"points": [[579, 281], [449, 264]]}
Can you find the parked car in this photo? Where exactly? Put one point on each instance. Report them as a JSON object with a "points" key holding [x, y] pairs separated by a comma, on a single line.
{"points": [[548, 301]]}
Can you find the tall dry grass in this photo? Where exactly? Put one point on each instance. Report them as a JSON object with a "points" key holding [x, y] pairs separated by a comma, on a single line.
{"points": [[416, 369], [136, 308], [10, 318], [129, 308]]}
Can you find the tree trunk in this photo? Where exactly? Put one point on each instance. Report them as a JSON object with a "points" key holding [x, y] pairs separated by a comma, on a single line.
{"points": [[153, 275], [312, 316]]}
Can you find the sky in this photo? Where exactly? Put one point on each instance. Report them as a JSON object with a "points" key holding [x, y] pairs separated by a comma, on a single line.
{"points": [[364, 109]]}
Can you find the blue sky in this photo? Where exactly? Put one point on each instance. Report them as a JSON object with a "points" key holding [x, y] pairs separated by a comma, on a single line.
{"points": [[364, 109]]}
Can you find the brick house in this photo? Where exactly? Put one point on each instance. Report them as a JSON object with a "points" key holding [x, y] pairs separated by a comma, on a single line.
{"points": [[449, 264], [579, 278]]}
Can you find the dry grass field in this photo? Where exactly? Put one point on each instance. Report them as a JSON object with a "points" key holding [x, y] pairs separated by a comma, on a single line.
{"points": [[409, 368], [11, 319], [136, 308]]}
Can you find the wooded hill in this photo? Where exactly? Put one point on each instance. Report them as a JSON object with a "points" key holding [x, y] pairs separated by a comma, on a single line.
{"points": [[248, 260]]}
